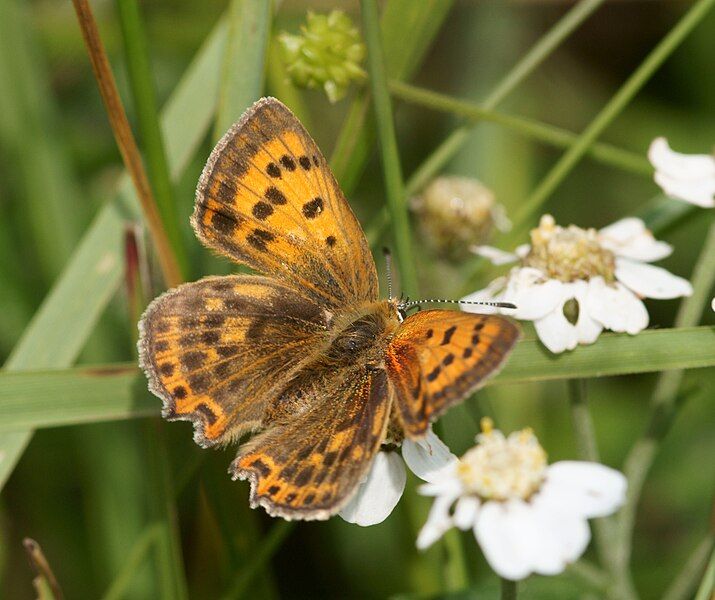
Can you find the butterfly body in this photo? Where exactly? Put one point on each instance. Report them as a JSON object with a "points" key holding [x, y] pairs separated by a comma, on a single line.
{"points": [[306, 357]]}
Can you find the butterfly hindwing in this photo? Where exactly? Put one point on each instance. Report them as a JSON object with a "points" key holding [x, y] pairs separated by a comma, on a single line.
{"points": [[267, 199], [437, 357], [215, 351], [309, 466]]}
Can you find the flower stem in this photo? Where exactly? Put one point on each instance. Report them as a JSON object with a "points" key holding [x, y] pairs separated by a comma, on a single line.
{"points": [[610, 111], [395, 188], [549, 134], [588, 450], [508, 589], [684, 584], [663, 404], [705, 591], [532, 59], [125, 140]]}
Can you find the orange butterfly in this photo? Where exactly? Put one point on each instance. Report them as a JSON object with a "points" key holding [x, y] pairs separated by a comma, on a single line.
{"points": [[307, 354]]}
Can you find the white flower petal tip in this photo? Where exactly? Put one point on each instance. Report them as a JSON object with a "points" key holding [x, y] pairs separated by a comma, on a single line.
{"points": [[378, 495], [630, 238], [494, 255], [688, 177], [534, 295], [615, 307], [426, 458], [649, 281], [712, 304]]}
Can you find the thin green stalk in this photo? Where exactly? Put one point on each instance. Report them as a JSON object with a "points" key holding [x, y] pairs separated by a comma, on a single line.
{"points": [[587, 449], [610, 111], [508, 589], [136, 555], [270, 544], [394, 184], [663, 403], [526, 65], [549, 134], [589, 573], [684, 584], [145, 105], [705, 591]]}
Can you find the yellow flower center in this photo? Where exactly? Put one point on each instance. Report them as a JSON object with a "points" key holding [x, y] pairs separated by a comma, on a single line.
{"points": [[569, 253], [503, 468]]}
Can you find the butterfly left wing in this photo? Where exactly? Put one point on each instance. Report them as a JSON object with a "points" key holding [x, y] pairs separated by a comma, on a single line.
{"points": [[309, 466], [437, 357]]}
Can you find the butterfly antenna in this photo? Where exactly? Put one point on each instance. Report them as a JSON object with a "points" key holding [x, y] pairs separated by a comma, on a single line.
{"points": [[388, 268], [412, 304]]}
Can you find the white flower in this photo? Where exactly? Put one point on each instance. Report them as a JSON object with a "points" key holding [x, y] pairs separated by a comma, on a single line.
{"points": [[574, 282], [379, 493], [689, 177], [527, 516]]}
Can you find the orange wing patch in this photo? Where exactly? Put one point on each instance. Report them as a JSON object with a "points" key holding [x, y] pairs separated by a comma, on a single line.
{"points": [[308, 467], [267, 198], [217, 351], [437, 357]]}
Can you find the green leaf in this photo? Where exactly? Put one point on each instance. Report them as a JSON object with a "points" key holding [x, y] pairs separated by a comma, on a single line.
{"points": [[107, 393], [243, 68], [69, 312]]}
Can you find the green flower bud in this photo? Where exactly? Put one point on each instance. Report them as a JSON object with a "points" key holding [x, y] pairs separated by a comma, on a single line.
{"points": [[327, 54]]}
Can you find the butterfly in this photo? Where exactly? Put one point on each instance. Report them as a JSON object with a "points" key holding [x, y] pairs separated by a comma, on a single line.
{"points": [[305, 356]]}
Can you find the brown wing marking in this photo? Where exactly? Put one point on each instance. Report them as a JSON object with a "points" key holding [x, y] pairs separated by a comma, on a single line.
{"points": [[309, 466], [438, 357], [216, 351]]}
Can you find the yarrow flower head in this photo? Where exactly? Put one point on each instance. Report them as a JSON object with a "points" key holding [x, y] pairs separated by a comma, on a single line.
{"points": [[327, 54], [384, 484], [574, 282], [688, 177], [454, 213], [527, 516]]}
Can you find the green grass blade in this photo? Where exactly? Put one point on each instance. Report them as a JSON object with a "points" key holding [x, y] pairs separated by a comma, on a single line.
{"points": [[243, 69], [68, 314], [394, 184], [145, 105], [52, 398]]}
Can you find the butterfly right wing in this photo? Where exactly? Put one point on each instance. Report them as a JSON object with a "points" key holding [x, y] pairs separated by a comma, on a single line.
{"points": [[216, 351]]}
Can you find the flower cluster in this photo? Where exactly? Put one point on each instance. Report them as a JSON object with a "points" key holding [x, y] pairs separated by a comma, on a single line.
{"points": [[573, 282], [527, 516], [327, 54]]}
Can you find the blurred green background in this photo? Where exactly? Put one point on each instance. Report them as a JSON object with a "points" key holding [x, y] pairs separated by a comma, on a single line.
{"points": [[88, 493]]}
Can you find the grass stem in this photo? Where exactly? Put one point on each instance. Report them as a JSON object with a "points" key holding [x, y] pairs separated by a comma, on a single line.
{"points": [[125, 140], [395, 189]]}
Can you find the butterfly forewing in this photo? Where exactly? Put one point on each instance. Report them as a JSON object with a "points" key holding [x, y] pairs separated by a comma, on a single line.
{"points": [[308, 467], [217, 350], [437, 357], [267, 199]]}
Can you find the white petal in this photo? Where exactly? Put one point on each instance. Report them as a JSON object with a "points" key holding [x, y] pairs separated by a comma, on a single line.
{"points": [[494, 255], [438, 522], [427, 457], [587, 329], [651, 281], [556, 333], [534, 294], [615, 307], [689, 177], [378, 495], [629, 237], [583, 488], [465, 512], [712, 304], [492, 292]]}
